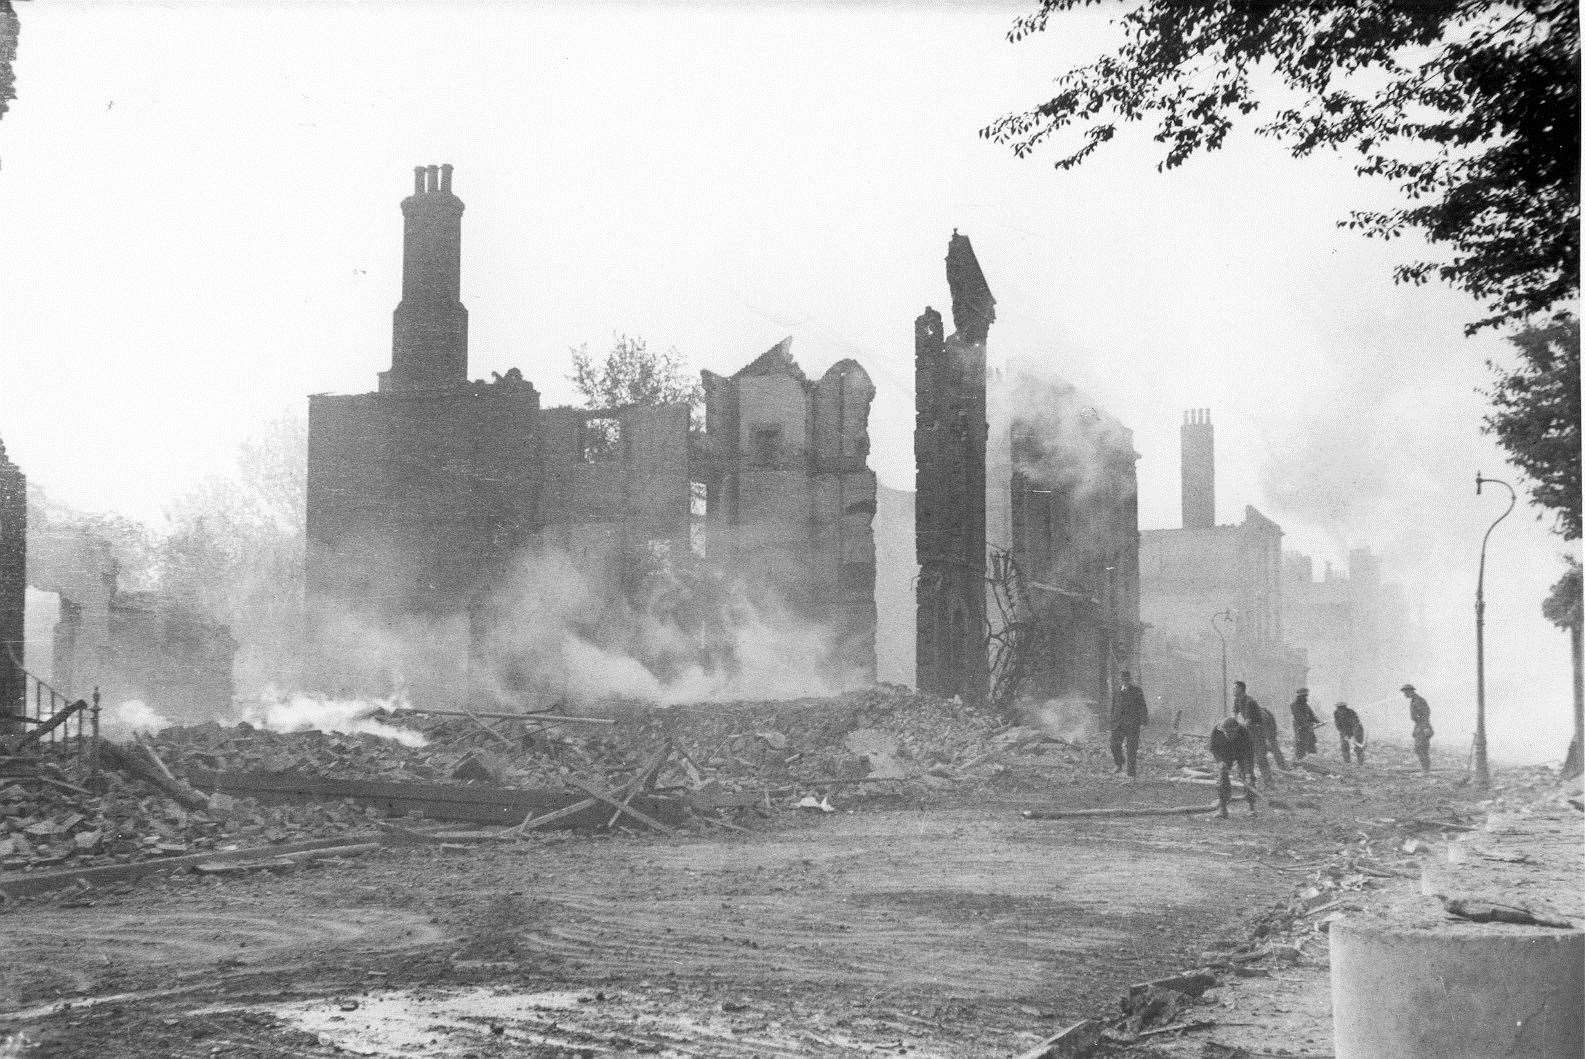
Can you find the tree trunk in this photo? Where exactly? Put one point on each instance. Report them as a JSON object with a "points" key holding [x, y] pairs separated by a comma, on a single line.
{"points": [[1575, 762]]}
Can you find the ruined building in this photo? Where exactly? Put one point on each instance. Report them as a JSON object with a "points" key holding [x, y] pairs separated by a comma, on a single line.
{"points": [[13, 584], [138, 645], [790, 497], [1026, 518], [428, 497], [1062, 503], [1201, 569], [1357, 629], [949, 499], [423, 494]]}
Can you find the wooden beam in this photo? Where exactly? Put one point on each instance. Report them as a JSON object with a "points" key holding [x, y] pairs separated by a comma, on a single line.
{"points": [[623, 809], [1084, 814]]}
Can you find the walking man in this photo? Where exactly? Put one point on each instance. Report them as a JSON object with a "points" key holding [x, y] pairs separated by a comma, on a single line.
{"points": [[1232, 747], [1305, 723], [1350, 731], [1262, 728], [1420, 717], [1129, 715]]}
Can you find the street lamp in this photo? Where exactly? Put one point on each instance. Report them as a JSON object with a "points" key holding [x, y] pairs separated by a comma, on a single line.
{"points": [[1482, 773], [1227, 616]]}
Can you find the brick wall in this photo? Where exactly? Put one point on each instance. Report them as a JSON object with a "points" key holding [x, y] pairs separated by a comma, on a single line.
{"points": [[13, 579]]}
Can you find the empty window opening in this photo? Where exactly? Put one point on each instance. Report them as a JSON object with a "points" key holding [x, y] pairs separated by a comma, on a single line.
{"points": [[602, 439]]}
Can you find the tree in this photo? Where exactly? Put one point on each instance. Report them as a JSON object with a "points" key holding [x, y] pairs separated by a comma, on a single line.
{"points": [[1563, 609], [10, 32], [236, 548], [1536, 417], [632, 374], [1471, 108]]}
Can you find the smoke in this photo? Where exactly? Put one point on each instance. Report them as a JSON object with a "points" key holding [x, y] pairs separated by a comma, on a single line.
{"points": [[587, 622], [687, 633], [1388, 459], [282, 711], [1059, 441], [1073, 720], [122, 721]]}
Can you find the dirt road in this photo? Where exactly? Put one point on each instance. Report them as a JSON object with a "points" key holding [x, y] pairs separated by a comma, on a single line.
{"points": [[958, 929]]}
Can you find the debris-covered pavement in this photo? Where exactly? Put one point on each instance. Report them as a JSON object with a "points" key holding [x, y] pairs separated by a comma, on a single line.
{"points": [[853, 876]]}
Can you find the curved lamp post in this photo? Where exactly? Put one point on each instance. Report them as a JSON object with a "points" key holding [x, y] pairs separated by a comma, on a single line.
{"points": [[1482, 773], [1227, 616]]}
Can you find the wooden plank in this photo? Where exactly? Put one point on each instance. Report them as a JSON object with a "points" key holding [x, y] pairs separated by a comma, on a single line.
{"points": [[1078, 814], [625, 810], [534, 823], [1078, 1039], [546, 717]]}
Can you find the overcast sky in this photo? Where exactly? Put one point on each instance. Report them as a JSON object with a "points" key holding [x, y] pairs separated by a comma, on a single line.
{"points": [[199, 215]]}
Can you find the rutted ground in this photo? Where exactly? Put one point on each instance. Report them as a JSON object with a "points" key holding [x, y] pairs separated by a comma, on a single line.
{"points": [[943, 932], [946, 928]]}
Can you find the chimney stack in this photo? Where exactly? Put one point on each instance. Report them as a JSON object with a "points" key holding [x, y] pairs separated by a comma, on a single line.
{"points": [[1199, 470], [429, 334]]}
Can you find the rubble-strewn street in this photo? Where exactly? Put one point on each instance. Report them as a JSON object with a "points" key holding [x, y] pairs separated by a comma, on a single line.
{"points": [[920, 915], [484, 571]]}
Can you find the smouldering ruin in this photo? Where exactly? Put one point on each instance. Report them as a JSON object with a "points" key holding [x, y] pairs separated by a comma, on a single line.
{"points": [[427, 497]]}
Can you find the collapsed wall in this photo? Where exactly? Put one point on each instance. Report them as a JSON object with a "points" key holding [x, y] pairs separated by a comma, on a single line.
{"points": [[949, 501], [790, 498], [148, 646], [13, 584], [1062, 501]]}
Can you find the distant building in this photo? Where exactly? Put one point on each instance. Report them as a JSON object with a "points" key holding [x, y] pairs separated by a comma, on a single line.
{"points": [[147, 646], [1359, 631], [1062, 502], [1189, 574]]}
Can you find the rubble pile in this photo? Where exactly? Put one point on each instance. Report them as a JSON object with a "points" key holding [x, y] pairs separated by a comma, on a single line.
{"points": [[885, 740], [61, 814], [881, 735]]}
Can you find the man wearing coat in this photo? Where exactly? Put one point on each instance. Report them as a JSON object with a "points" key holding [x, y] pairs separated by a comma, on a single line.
{"points": [[1262, 728], [1305, 723], [1233, 747], [1420, 717], [1350, 731], [1129, 715]]}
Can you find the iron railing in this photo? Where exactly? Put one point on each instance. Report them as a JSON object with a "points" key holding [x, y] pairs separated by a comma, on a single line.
{"points": [[48, 713]]}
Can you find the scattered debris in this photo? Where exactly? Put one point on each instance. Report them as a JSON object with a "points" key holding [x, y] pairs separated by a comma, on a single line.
{"points": [[1478, 911]]}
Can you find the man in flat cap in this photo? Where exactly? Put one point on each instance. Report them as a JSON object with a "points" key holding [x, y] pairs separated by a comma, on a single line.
{"points": [[1420, 717]]}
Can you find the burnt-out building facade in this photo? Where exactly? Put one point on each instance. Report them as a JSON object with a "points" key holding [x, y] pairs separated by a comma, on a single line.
{"points": [[1026, 518], [13, 585], [949, 494], [159, 648], [790, 497], [425, 495], [1062, 504]]}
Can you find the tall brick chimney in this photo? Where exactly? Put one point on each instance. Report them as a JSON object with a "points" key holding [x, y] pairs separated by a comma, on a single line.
{"points": [[429, 336], [1199, 470]]}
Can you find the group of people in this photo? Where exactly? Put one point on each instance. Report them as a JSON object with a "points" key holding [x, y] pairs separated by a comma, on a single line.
{"points": [[1248, 739]]}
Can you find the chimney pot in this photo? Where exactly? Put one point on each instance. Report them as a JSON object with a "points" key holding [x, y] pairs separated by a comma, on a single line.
{"points": [[418, 180], [445, 178], [434, 178]]}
